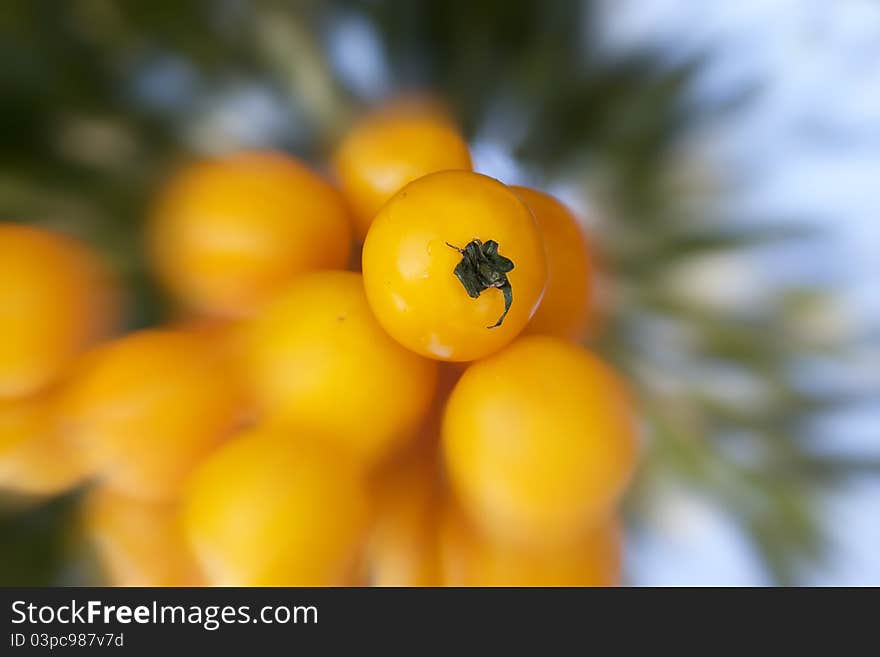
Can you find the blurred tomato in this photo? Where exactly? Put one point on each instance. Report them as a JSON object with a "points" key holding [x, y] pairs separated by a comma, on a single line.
{"points": [[36, 457], [226, 234], [138, 542], [148, 406], [227, 337], [469, 559], [56, 298], [392, 147], [402, 547], [273, 508], [565, 310], [413, 272], [539, 441], [319, 361]]}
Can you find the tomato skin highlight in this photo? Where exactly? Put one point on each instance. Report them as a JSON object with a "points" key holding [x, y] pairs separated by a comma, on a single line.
{"points": [[409, 265], [318, 360], [566, 311], [147, 407], [57, 298], [539, 441], [391, 147], [227, 233], [275, 508]]}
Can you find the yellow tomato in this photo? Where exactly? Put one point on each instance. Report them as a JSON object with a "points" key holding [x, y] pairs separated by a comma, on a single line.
{"points": [[402, 548], [228, 338], [138, 542], [392, 147], [226, 234], [319, 361], [436, 300], [148, 406], [539, 441], [469, 559], [272, 508], [566, 309], [36, 457], [55, 299]]}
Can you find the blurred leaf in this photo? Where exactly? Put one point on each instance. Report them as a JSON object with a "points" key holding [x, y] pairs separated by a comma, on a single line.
{"points": [[33, 542]]}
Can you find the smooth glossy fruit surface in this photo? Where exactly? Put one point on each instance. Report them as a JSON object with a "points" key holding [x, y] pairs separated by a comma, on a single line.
{"points": [[566, 309], [539, 441], [138, 542], [429, 295], [319, 361], [226, 234], [273, 508], [56, 298], [392, 147], [147, 407]]}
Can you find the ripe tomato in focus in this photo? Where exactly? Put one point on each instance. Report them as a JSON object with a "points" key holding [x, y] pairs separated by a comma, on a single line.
{"points": [[36, 457], [147, 407], [412, 269], [539, 441], [56, 298], [402, 546], [226, 234], [272, 508], [138, 542], [392, 147], [469, 559], [319, 361], [566, 309]]}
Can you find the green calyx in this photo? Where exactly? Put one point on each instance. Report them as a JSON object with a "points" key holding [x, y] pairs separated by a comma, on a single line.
{"points": [[481, 268]]}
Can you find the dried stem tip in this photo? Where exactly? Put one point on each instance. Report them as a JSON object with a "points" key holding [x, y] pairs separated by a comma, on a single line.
{"points": [[481, 268]]}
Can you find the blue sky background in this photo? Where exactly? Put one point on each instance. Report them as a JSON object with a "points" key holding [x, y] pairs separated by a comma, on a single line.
{"points": [[806, 146]]}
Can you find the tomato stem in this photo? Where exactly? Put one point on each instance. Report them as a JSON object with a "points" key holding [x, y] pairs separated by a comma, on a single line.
{"points": [[481, 268]]}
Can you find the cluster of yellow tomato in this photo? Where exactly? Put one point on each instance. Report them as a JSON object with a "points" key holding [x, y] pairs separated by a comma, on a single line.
{"points": [[422, 417]]}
